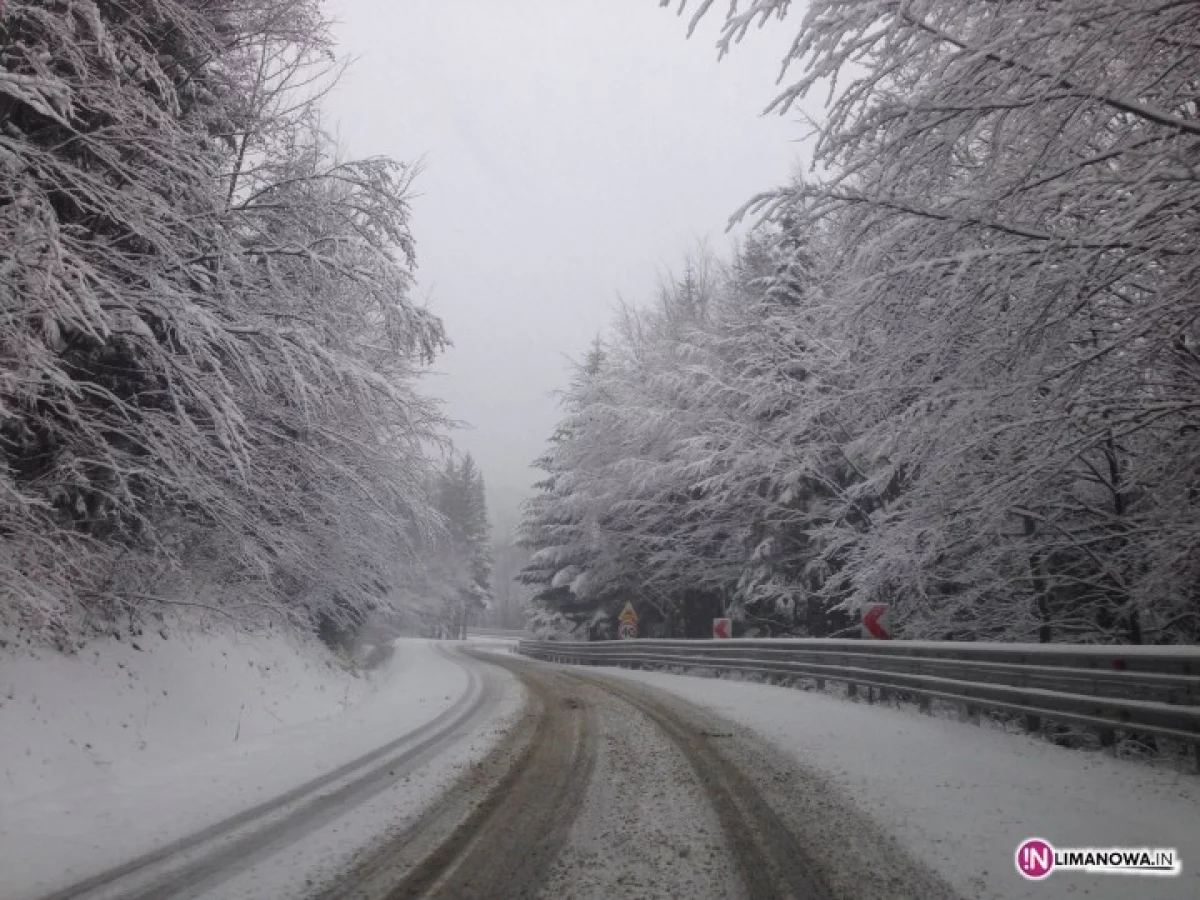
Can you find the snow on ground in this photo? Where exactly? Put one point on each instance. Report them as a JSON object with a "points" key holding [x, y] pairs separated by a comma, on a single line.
{"points": [[962, 798], [317, 860], [115, 751], [68, 720]]}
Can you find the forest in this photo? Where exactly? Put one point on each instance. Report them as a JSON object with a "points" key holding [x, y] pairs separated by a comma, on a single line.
{"points": [[954, 367], [210, 353]]}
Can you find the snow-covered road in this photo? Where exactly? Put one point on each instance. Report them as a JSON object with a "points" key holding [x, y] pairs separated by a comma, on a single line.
{"points": [[611, 789], [709, 788], [469, 772]]}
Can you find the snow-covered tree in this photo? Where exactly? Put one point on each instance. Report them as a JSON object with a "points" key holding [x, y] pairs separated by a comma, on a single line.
{"points": [[1011, 205], [209, 351], [455, 582], [510, 598], [695, 456]]}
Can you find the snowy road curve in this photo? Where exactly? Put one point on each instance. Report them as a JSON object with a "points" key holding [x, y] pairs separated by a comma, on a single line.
{"points": [[476, 773], [594, 787], [606, 788]]}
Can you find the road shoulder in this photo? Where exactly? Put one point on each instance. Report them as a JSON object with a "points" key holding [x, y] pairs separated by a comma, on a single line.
{"points": [[960, 798]]}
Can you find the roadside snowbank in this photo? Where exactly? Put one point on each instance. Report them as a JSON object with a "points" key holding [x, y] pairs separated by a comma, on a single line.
{"points": [[72, 720], [114, 752], [317, 861], [962, 798]]}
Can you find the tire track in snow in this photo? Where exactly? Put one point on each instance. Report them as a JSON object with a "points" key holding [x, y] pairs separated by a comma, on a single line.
{"points": [[770, 861], [201, 862], [792, 833], [498, 831], [502, 830]]}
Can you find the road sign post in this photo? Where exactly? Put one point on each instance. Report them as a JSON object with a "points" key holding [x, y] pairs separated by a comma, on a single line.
{"points": [[627, 627], [877, 621]]}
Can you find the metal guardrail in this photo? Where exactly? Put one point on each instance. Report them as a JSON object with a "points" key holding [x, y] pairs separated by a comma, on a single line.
{"points": [[511, 634], [1150, 690]]}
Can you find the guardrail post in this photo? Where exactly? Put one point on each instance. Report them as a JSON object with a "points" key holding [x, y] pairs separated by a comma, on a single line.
{"points": [[925, 705], [870, 694], [820, 684], [851, 689], [1032, 723]]}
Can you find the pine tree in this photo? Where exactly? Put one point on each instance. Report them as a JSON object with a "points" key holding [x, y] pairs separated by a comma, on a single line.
{"points": [[459, 557]]}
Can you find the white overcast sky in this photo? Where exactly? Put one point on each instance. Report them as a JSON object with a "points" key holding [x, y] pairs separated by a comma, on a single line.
{"points": [[573, 151]]}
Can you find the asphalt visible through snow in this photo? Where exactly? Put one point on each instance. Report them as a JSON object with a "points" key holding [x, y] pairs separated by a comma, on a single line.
{"points": [[605, 788], [599, 788]]}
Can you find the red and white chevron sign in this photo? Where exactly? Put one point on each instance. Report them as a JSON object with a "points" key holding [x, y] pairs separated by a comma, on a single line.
{"points": [[877, 622]]}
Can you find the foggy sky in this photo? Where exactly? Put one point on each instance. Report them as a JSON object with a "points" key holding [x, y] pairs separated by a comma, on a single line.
{"points": [[573, 151]]}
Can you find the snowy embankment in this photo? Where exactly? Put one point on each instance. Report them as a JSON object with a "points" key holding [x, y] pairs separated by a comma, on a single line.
{"points": [[961, 798], [116, 751]]}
